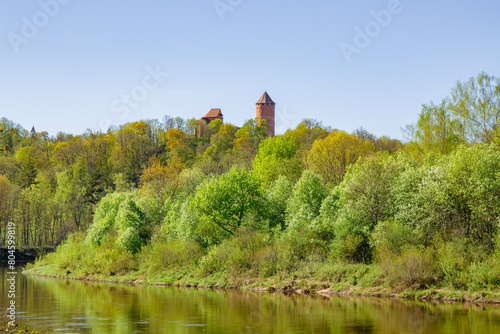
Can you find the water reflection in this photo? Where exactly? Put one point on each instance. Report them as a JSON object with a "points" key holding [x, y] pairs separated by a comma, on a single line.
{"points": [[68, 306]]}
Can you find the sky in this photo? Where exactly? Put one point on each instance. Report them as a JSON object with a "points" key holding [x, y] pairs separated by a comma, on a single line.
{"points": [[73, 65]]}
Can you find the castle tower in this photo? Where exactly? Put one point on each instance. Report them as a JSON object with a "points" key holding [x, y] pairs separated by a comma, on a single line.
{"points": [[265, 110]]}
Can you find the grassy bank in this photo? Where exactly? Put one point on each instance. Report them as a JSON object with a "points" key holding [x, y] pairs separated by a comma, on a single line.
{"points": [[354, 281], [254, 261]]}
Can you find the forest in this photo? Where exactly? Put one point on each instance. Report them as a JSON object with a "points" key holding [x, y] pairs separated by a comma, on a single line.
{"points": [[182, 200]]}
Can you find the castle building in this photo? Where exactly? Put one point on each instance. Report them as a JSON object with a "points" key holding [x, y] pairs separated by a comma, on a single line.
{"points": [[266, 110], [214, 113]]}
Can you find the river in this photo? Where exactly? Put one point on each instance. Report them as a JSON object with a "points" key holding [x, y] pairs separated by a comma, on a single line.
{"points": [[69, 306]]}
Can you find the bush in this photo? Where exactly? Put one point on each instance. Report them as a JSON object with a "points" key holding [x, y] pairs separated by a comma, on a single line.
{"points": [[107, 259], [119, 215], [74, 256], [133, 231], [295, 249], [452, 261], [304, 204], [104, 217], [242, 253], [161, 256], [276, 198], [412, 266], [267, 261], [353, 248], [389, 238], [485, 274], [70, 253], [366, 198]]}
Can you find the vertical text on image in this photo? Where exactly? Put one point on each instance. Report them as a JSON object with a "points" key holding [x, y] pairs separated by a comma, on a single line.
{"points": [[11, 273]]}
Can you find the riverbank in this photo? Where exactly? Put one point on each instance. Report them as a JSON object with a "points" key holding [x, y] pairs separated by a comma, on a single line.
{"points": [[287, 285]]}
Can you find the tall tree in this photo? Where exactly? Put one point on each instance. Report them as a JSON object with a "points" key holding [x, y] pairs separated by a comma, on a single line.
{"points": [[277, 156], [225, 201], [330, 157]]}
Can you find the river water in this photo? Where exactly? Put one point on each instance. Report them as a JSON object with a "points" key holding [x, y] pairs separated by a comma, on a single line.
{"points": [[68, 306]]}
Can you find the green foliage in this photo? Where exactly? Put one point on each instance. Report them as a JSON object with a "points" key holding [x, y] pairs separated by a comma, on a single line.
{"points": [[161, 256], [247, 251], [131, 226], [426, 213], [104, 217], [305, 202], [75, 257], [277, 197], [453, 259], [366, 197], [352, 248], [436, 129], [484, 274], [389, 238], [469, 115], [324, 224], [412, 266], [118, 214], [224, 202], [330, 157], [275, 157], [455, 195]]}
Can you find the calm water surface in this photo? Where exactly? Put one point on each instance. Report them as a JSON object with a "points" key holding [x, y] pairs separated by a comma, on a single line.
{"points": [[67, 306]]}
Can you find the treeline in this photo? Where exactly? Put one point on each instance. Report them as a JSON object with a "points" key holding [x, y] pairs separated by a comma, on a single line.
{"points": [[228, 201], [50, 186]]}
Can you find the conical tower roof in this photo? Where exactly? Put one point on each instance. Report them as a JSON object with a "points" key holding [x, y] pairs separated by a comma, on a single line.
{"points": [[265, 99]]}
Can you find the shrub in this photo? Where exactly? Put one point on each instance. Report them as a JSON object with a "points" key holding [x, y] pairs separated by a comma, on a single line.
{"points": [[341, 272], [298, 247], [74, 256], [119, 215], [107, 259], [366, 198], [276, 198], [389, 238], [70, 253], [412, 266], [239, 254], [132, 229], [305, 202], [267, 261], [104, 217], [452, 261], [353, 248], [485, 274], [161, 256]]}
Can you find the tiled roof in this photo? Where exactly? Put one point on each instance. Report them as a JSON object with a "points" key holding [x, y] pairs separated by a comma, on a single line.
{"points": [[265, 99], [213, 113]]}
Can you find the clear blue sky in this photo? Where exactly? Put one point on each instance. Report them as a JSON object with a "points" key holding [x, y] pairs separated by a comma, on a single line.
{"points": [[73, 70]]}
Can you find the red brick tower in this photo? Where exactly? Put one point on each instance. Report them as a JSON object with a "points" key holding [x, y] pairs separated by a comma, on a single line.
{"points": [[265, 110]]}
